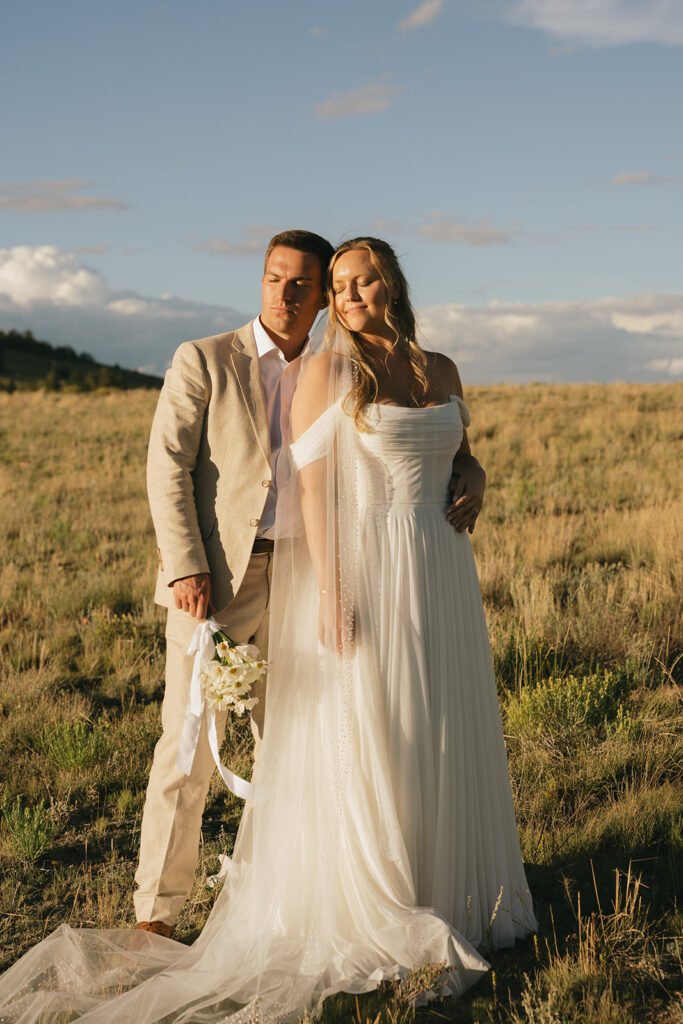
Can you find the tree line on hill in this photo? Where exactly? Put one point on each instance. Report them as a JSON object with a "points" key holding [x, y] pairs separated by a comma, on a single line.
{"points": [[26, 362]]}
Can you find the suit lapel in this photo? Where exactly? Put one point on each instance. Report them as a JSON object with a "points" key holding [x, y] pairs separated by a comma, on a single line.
{"points": [[248, 373]]}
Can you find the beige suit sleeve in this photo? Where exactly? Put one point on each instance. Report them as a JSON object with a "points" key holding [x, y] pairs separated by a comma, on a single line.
{"points": [[173, 446]]}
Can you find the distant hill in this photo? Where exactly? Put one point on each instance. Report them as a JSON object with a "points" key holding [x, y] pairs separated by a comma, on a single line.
{"points": [[26, 362]]}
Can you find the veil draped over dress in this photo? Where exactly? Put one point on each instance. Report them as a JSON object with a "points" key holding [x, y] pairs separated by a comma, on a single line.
{"points": [[382, 835]]}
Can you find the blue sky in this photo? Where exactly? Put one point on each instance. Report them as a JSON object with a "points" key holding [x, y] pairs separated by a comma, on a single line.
{"points": [[524, 157]]}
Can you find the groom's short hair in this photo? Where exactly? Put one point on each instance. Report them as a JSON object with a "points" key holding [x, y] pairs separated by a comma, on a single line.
{"points": [[304, 241]]}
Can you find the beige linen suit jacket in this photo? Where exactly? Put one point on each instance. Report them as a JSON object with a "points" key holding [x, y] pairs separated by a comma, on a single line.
{"points": [[208, 466]]}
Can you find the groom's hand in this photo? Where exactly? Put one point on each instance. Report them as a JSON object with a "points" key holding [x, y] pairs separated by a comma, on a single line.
{"points": [[467, 485], [193, 595]]}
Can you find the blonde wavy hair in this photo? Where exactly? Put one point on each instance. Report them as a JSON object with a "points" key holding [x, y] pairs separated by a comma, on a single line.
{"points": [[399, 316]]}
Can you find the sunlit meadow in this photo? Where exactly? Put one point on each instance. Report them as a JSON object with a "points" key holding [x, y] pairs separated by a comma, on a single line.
{"points": [[579, 553]]}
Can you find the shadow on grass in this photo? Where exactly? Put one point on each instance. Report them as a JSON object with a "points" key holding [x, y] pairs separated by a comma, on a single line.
{"points": [[555, 887]]}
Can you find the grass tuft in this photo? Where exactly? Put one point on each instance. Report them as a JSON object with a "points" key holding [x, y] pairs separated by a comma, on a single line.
{"points": [[28, 829], [564, 711], [617, 967], [74, 745]]}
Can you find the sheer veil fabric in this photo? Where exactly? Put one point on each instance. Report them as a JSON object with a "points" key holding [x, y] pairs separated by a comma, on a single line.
{"points": [[323, 893]]}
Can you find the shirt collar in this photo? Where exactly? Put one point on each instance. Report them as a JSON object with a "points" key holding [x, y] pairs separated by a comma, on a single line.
{"points": [[264, 342]]}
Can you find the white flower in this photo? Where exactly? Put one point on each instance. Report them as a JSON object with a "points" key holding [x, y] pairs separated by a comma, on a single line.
{"points": [[252, 674], [212, 671], [247, 650]]}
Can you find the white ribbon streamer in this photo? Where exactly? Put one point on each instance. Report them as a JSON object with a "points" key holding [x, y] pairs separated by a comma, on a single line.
{"points": [[223, 872], [203, 648]]}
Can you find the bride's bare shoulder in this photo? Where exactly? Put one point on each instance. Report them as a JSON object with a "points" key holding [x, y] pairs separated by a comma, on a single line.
{"points": [[316, 374], [319, 366], [441, 367], [314, 390]]}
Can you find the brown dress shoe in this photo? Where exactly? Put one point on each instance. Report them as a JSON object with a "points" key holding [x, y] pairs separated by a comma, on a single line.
{"points": [[157, 928]]}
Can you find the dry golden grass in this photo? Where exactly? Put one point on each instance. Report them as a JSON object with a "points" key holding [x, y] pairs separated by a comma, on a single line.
{"points": [[581, 570]]}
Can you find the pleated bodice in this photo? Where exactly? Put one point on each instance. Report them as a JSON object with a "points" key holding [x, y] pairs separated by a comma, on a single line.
{"points": [[405, 459]]}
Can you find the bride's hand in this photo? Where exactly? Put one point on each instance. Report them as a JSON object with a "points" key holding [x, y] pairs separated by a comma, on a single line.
{"points": [[331, 622]]}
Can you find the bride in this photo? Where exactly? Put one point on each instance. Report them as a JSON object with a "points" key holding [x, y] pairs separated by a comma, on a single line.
{"points": [[382, 833]]}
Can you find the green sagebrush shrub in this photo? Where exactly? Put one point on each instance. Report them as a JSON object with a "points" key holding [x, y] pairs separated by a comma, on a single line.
{"points": [[29, 829], [562, 711], [74, 745]]}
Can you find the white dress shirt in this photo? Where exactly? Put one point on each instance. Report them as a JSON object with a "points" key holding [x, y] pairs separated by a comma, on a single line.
{"points": [[279, 390]]}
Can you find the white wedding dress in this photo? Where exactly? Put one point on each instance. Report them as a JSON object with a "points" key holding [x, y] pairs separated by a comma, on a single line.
{"points": [[384, 836], [445, 745]]}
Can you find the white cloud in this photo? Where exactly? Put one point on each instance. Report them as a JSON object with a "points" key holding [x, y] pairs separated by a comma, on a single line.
{"points": [[665, 323], [457, 231], [129, 307], [640, 178], [53, 196], [425, 14], [371, 98], [634, 338], [256, 239], [50, 292], [29, 275], [603, 22], [671, 367]]}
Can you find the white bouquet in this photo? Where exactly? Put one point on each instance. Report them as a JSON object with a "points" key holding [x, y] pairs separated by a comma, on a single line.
{"points": [[226, 679]]}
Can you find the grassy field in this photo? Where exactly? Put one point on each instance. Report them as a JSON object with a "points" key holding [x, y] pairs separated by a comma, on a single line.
{"points": [[579, 551]]}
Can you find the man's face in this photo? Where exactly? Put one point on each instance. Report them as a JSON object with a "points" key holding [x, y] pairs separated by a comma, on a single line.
{"points": [[291, 293]]}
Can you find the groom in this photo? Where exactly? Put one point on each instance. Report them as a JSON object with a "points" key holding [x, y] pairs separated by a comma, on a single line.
{"points": [[212, 450]]}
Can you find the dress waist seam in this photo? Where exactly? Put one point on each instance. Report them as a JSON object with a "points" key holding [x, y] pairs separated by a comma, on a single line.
{"points": [[404, 504]]}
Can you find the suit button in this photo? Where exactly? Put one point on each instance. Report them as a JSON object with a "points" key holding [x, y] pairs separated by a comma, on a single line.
{"points": [[265, 483], [254, 522]]}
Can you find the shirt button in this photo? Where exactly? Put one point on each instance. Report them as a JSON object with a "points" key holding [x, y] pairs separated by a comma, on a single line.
{"points": [[253, 522], [265, 483]]}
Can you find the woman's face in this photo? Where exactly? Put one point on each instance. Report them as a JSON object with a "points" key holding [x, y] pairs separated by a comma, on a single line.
{"points": [[359, 295]]}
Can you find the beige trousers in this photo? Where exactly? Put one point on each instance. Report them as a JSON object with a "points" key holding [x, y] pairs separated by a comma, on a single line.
{"points": [[172, 817]]}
